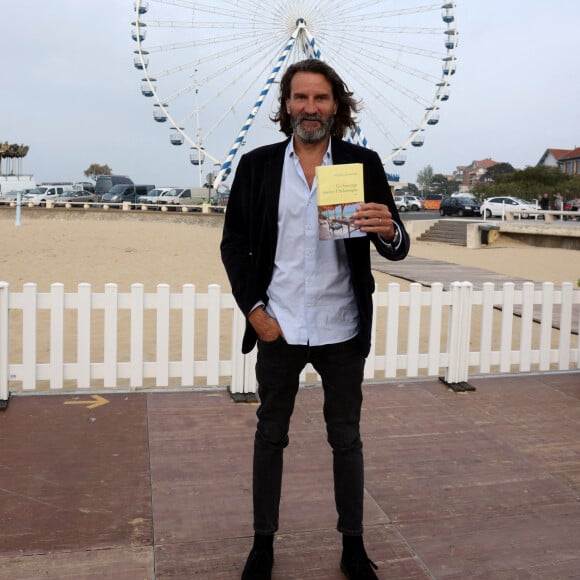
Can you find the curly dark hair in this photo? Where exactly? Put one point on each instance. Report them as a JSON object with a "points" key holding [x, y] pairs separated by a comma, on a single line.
{"points": [[347, 105]]}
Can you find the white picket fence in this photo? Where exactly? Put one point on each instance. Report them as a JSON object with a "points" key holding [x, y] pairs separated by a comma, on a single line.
{"points": [[83, 340]]}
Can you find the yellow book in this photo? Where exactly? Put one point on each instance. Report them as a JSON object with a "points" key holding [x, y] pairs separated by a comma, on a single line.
{"points": [[340, 191]]}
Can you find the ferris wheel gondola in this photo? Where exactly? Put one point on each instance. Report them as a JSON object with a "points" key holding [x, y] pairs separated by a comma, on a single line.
{"points": [[212, 67]]}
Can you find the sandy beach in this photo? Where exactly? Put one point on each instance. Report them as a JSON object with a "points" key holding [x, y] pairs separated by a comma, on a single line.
{"points": [[159, 249], [124, 252]]}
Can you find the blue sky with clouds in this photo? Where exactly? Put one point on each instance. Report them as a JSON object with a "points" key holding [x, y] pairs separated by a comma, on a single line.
{"points": [[69, 90]]}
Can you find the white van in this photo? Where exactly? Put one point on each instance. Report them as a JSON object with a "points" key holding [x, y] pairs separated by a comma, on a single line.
{"points": [[152, 197], [43, 193], [184, 196]]}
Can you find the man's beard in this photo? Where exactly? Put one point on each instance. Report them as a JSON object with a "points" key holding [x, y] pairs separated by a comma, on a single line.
{"points": [[312, 136]]}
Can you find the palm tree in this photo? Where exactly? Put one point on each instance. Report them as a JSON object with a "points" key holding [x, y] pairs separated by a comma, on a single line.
{"points": [[10, 152], [3, 151], [22, 152]]}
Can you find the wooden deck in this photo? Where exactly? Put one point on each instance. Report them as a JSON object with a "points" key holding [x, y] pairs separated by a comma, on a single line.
{"points": [[483, 484], [427, 272]]}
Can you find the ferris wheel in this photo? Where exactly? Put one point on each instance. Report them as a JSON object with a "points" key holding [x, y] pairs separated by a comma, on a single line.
{"points": [[211, 68]]}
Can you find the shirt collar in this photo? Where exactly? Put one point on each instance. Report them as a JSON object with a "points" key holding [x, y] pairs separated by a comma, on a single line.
{"points": [[291, 154]]}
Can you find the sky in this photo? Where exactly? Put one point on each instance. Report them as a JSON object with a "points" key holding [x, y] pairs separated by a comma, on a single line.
{"points": [[70, 92]]}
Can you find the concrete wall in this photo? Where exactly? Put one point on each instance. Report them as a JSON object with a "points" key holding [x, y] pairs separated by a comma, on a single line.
{"points": [[559, 234], [417, 227]]}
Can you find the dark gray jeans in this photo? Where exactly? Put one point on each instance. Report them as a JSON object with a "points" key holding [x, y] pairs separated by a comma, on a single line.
{"points": [[277, 370]]}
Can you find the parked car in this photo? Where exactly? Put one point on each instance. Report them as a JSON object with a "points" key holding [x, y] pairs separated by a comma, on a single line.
{"points": [[152, 197], [104, 183], [123, 192], [84, 186], [414, 202], [432, 201], [401, 203], [13, 195], [43, 193], [572, 205], [495, 206], [77, 196], [220, 200], [459, 206]]}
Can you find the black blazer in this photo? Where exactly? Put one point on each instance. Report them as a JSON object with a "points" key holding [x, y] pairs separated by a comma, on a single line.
{"points": [[250, 233]]}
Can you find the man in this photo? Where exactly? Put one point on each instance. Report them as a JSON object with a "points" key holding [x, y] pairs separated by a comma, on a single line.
{"points": [[307, 300], [558, 203]]}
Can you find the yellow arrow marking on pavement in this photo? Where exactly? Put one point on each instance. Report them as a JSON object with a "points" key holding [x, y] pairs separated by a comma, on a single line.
{"points": [[97, 401]]}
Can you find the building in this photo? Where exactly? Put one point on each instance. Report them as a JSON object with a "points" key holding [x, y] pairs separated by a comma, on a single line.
{"points": [[14, 183], [570, 163], [468, 175], [552, 156]]}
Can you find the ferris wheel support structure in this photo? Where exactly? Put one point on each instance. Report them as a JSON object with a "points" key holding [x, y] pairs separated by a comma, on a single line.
{"points": [[226, 167], [312, 50]]}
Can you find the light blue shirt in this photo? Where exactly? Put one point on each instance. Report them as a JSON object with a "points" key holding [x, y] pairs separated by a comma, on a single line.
{"points": [[310, 294]]}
